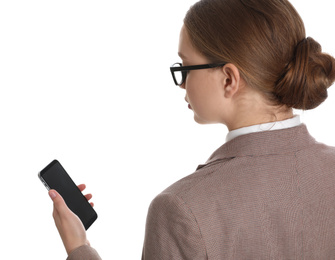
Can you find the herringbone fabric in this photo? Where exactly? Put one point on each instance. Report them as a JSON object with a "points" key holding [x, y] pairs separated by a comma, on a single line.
{"points": [[266, 195]]}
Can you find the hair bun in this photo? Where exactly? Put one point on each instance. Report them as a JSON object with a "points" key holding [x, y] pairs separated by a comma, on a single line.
{"points": [[305, 80]]}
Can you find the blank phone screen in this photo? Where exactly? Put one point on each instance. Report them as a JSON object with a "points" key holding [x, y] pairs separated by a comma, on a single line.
{"points": [[57, 178]]}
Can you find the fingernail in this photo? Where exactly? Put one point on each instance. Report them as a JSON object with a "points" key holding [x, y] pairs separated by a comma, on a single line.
{"points": [[52, 194]]}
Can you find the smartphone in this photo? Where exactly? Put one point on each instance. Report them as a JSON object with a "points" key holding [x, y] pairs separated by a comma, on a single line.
{"points": [[54, 176]]}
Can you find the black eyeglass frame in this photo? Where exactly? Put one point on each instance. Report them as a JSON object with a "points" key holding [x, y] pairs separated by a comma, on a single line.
{"points": [[185, 69]]}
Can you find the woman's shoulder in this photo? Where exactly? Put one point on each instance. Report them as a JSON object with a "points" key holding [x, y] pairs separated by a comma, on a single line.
{"points": [[193, 186]]}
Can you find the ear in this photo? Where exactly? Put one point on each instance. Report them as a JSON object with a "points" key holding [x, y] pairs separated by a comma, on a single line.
{"points": [[231, 80]]}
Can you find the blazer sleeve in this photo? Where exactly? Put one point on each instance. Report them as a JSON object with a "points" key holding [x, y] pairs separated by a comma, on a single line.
{"points": [[84, 253], [172, 231]]}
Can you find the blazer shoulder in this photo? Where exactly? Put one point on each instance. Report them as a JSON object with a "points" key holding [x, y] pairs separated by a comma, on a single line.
{"points": [[194, 180]]}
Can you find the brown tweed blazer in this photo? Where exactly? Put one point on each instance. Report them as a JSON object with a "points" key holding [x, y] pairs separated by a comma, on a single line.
{"points": [[266, 195], [84, 253]]}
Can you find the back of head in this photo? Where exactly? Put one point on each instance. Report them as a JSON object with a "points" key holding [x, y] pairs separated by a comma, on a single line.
{"points": [[266, 41]]}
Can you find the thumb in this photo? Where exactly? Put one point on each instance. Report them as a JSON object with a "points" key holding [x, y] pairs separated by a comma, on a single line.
{"points": [[59, 203]]}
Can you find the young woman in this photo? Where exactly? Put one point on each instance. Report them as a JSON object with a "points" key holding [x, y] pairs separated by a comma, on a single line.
{"points": [[269, 191]]}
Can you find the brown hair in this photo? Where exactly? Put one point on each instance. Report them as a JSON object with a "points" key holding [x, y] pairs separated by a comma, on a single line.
{"points": [[266, 41]]}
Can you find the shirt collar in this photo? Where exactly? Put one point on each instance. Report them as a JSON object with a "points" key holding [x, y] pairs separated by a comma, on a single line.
{"points": [[288, 123]]}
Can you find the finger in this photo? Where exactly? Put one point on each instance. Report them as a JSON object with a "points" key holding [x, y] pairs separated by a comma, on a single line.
{"points": [[88, 196], [60, 207], [92, 204], [81, 187]]}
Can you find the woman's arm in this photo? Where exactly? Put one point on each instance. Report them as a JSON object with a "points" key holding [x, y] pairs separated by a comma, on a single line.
{"points": [[172, 231], [70, 228]]}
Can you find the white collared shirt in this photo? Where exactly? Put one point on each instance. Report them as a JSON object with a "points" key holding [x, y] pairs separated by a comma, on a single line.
{"points": [[288, 123]]}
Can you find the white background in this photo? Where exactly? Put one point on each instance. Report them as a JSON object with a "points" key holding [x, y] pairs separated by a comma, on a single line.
{"points": [[88, 83]]}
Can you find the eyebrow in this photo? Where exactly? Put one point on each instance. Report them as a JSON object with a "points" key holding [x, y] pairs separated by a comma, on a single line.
{"points": [[182, 56]]}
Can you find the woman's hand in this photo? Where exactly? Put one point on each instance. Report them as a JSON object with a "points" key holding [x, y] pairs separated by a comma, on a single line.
{"points": [[69, 226]]}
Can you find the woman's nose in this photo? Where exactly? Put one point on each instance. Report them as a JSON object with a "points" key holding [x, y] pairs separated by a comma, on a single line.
{"points": [[182, 85]]}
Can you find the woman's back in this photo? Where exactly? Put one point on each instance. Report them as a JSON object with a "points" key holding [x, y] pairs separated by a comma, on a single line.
{"points": [[266, 195]]}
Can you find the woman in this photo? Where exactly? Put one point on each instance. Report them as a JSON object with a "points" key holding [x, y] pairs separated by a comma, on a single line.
{"points": [[269, 191]]}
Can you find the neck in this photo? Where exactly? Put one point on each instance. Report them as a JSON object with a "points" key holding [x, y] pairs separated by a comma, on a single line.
{"points": [[258, 117], [249, 107]]}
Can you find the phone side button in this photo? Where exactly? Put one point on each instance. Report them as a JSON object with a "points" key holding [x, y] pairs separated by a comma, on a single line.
{"points": [[46, 185]]}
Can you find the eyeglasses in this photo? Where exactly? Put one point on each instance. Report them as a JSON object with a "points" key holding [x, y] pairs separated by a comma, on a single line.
{"points": [[179, 72]]}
